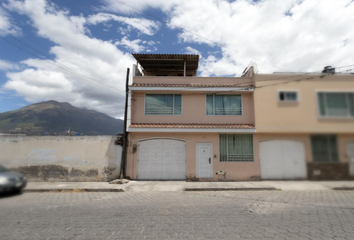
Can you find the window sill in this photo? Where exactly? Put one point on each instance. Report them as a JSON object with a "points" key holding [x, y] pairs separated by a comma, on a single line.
{"points": [[236, 162], [224, 115], [327, 162], [336, 118], [162, 115], [286, 103]]}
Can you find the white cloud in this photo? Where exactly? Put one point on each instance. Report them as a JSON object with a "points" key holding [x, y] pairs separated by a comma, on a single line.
{"points": [[219, 67], [6, 65], [6, 24], [136, 6], [291, 34], [87, 72], [190, 50], [131, 45], [137, 45], [294, 35], [42, 82], [143, 25], [305, 41]]}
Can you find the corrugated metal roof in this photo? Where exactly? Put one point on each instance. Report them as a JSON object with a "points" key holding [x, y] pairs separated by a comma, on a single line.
{"points": [[167, 62], [193, 125]]}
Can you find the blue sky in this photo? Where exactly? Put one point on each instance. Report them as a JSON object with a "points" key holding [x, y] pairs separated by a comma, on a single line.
{"points": [[78, 51]]}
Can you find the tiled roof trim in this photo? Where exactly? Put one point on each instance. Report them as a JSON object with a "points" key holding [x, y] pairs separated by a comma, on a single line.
{"points": [[193, 85], [192, 125]]}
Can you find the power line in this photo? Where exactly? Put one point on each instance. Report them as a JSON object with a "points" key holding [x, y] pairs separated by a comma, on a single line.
{"points": [[57, 61], [272, 79], [18, 46], [212, 41], [48, 57], [93, 81], [299, 80], [192, 33], [65, 68], [255, 87]]}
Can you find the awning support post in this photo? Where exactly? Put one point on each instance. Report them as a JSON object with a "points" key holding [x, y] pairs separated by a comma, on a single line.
{"points": [[185, 67]]}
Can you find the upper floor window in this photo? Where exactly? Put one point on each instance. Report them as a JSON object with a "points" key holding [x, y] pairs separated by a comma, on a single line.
{"points": [[223, 104], [336, 104], [163, 104], [288, 96]]}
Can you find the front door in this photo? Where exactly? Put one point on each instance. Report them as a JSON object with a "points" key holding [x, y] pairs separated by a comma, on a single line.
{"points": [[204, 160], [350, 153]]}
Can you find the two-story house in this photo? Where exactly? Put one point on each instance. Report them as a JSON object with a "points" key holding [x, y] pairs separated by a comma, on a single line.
{"points": [[305, 125], [186, 127], [259, 126]]}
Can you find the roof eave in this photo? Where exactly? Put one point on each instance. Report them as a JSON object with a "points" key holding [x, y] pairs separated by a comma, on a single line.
{"points": [[188, 130], [209, 89]]}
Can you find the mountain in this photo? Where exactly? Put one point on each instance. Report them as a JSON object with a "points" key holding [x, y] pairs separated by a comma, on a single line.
{"points": [[56, 118]]}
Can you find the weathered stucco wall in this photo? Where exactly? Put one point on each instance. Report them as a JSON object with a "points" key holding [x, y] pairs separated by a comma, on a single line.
{"points": [[273, 116], [62, 158], [328, 171], [236, 171], [193, 110]]}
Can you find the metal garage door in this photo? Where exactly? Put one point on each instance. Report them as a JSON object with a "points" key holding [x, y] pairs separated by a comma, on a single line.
{"points": [[282, 159], [350, 154], [162, 159]]}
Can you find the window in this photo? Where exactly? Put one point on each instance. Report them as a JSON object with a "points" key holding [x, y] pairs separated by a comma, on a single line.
{"points": [[163, 104], [336, 104], [288, 96], [223, 104], [324, 148], [236, 147]]}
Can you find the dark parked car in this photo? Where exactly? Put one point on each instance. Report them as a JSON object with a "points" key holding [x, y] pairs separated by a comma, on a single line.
{"points": [[11, 181]]}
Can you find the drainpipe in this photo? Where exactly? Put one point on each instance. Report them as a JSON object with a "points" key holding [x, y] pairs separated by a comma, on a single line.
{"points": [[123, 162]]}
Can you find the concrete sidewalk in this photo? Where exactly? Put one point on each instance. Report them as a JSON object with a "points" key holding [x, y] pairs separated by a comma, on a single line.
{"points": [[143, 186]]}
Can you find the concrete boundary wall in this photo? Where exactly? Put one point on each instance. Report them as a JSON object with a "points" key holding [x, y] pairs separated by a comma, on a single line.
{"points": [[62, 158]]}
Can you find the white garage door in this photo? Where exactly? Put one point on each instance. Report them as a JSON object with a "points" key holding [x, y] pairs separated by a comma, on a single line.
{"points": [[162, 159], [282, 159]]}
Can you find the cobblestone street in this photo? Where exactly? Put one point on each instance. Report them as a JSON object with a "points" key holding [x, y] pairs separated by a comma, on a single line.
{"points": [[179, 215]]}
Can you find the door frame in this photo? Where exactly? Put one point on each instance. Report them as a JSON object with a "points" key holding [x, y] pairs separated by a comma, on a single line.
{"points": [[211, 157]]}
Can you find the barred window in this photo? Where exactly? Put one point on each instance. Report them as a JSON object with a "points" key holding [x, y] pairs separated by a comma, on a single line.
{"points": [[324, 148], [236, 147]]}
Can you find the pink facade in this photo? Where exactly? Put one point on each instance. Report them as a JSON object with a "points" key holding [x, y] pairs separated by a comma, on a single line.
{"points": [[237, 128], [193, 109], [187, 145]]}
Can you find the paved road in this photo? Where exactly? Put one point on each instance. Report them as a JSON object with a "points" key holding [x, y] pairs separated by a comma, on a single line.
{"points": [[179, 215]]}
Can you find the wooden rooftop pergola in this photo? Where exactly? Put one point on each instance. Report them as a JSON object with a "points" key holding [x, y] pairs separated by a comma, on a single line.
{"points": [[167, 62]]}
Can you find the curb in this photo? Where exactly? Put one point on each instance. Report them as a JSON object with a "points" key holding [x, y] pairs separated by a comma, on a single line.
{"points": [[230, 189], [74, 190], [343, 188]]}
